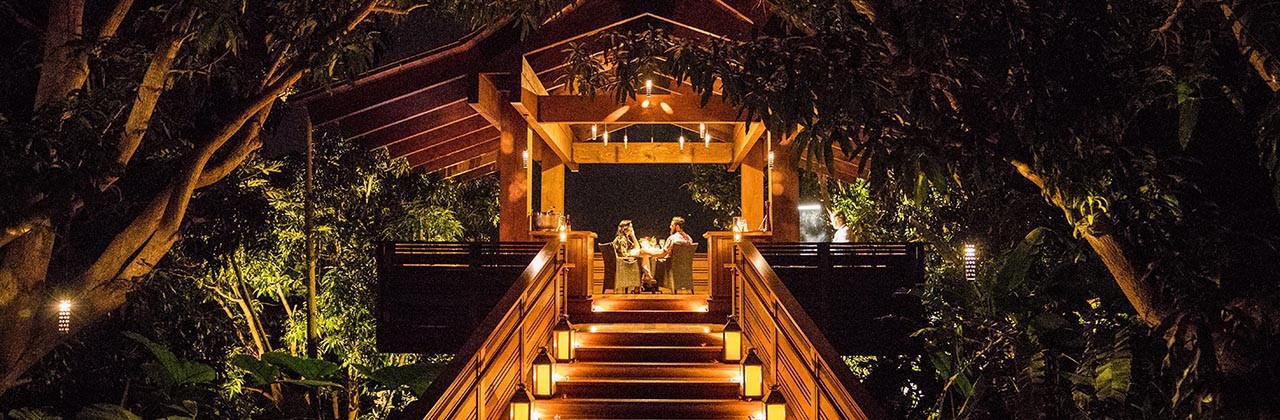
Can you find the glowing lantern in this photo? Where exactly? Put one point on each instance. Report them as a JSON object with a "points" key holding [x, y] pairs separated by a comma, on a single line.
{"points": [[563, 332], [752, 376], [775, 406], [732, 340], [64, 316], [544, 381], [521, 404], [970, 262]]}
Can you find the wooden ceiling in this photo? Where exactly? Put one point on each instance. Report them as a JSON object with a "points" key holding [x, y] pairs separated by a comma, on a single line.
{"points": [[425, 108]]}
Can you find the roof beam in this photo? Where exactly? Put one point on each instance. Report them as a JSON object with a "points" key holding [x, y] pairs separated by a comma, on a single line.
{"points": [[616, 153], [447, 149], [744, 138], [438, 118], [462, 155], [662, 109], [558, 137], [439, 136], [471, 166]]}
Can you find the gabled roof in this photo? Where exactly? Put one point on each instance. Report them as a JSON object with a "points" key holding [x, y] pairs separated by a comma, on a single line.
{"points": [[420, 108]]}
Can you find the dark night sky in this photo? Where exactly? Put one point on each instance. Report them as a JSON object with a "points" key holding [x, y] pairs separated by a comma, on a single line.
{"points": [[598, 196]]}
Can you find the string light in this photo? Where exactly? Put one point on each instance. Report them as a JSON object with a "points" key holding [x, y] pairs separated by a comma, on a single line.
{"points": [[64, 316], [706, 140], [702, 128], [593, 131], [681, 141], [624, 139], [606, 136]]}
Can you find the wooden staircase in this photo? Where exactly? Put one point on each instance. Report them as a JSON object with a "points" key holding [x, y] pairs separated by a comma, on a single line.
{"points": [[648, 357]]}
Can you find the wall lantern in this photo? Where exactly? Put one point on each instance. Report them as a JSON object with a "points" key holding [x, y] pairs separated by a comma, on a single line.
{"points": [[64, 316], [752, 376], [563, 332], [739, 226], [775, 406], [732, 340], [521, 404], [544, 381], [970, 262], [770, 159]]}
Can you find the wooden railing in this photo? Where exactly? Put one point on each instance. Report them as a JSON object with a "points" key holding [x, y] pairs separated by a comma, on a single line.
{"points": [[432, 295], [482, 376], [797, 356]]}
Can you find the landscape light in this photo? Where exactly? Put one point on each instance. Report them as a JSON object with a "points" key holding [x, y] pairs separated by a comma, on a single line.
{"points": [[64, 316]]}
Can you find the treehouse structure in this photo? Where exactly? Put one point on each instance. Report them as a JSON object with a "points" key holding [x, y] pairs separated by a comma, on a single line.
{"points": [[533, 332]]}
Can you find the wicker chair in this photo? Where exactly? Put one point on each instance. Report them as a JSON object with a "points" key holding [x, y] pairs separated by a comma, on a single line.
{"points": [[620, 274], [678, 271]]}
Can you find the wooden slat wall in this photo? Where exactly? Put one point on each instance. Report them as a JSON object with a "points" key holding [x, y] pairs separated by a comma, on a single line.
{"points": [[483, 375], [797, 357]]}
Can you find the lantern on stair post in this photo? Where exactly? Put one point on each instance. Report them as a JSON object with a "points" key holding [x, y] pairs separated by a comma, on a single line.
{"points": [[544, 381], [563, 332], [732, 340], [775, 406], [752, 376], [521, 404]]}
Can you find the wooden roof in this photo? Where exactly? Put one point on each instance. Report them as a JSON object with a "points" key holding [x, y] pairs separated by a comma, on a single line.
{"points": [[426, 108]]}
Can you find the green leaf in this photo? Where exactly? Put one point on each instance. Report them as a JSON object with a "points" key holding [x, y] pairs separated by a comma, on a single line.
{"points": [[1114, 376], [106, 412], [172, 371], [312, 383], [416, 377], [316, 369], [31, 414], [261, 372]]}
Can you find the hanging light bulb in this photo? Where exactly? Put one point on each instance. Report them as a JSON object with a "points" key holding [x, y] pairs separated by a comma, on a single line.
{"points": [[624, 139], [593, 131], [606, 136], [648, 91], [770, 158], [706, 140], [702, 128], [681, 141]]}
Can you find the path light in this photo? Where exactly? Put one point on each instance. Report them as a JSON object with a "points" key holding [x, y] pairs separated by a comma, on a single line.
{"points": [[544, 380], [521, 404], [970, 262], [752, 376], [775, 406], [563, 332], [64, 316], [732, 340]]}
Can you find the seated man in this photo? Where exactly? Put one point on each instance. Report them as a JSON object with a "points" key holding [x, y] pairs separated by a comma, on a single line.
{"points": [[677, 235]]}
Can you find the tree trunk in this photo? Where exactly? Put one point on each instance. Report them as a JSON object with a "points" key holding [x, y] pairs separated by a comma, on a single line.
{"points": [[64, 67]]}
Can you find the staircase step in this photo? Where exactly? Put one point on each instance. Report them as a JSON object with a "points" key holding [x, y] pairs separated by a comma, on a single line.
{"points": [[658, 388], [651, 335], [652, 316], [636, 370], [650, 302], [648, 353], [574, 409]]}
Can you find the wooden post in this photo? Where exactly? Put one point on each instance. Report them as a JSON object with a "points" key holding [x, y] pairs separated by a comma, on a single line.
{"points": [[579, 252], [552, 181], [784, 191], [720, 254], [513, 201], [752, 191]]}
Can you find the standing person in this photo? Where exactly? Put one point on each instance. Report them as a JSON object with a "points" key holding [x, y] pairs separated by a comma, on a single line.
{"points": [[842, 230]]}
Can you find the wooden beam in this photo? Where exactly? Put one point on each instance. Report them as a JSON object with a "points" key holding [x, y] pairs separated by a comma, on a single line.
{"points": [[744, 138], [669, 109], [552, 183], [438, 136], [718, 153], [471, 166], [448, 149], [461, 155], [752, 190], [404, 109], [557, 137], [425, 122]]}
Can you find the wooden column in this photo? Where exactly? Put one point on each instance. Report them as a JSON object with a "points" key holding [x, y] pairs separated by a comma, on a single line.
{"points": [[552, 180], [513, 201], [720, 247], [784, 189], [579, 252], [752, 191]]}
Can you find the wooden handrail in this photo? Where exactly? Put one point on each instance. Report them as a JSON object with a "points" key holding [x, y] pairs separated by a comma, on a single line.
{"points": [[483, 375], [797, 356]]}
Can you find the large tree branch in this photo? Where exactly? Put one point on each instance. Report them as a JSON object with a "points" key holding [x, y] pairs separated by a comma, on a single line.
{"points": [[249, 141], [1144, 297], [1263, 63], [115, 19], [149, 91], [64, 67]]}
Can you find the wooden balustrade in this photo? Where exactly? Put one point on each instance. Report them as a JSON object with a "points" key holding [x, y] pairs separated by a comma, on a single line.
{"points": [[483, 375], [797, 356]]}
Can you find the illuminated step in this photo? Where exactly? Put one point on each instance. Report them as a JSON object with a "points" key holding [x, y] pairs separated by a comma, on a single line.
{"points": [[654, 388], [606, 408], [648, 354], [651, 370]]}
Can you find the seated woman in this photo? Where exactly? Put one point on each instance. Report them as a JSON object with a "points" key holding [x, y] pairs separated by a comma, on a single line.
{"points": [[625, 244]]}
